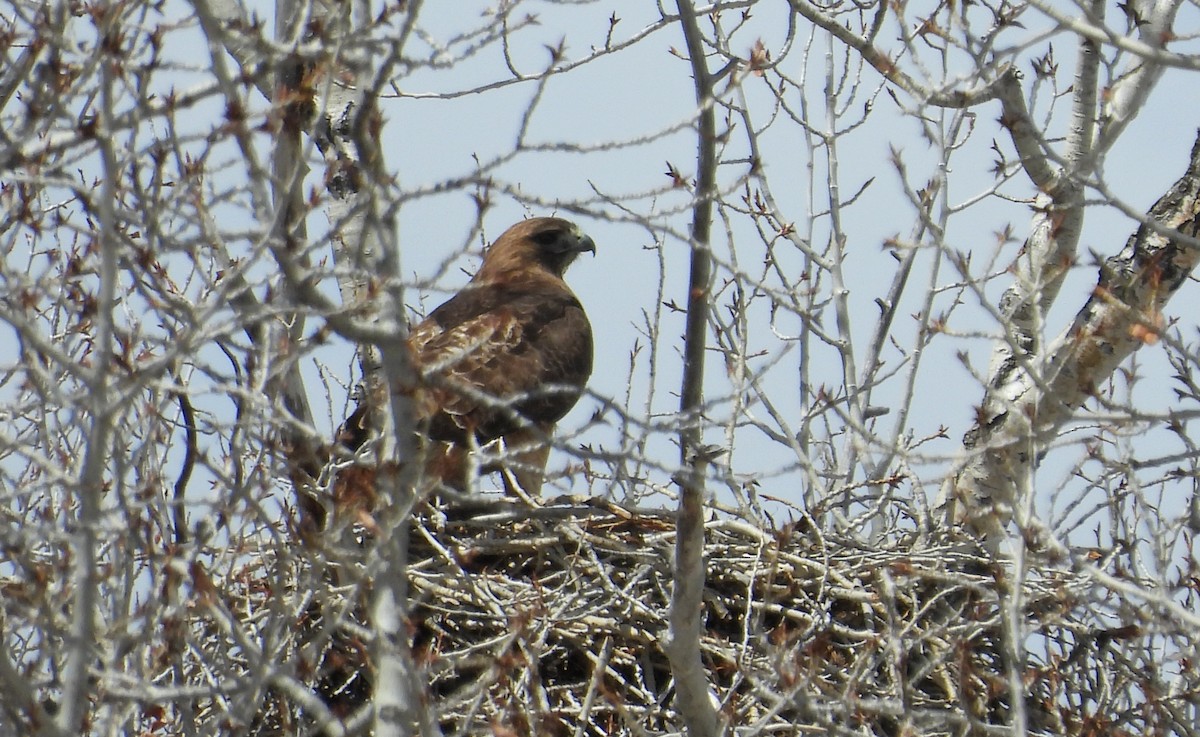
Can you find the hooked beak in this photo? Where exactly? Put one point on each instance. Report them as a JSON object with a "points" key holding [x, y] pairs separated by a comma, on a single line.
{"points": [[585, 243]]}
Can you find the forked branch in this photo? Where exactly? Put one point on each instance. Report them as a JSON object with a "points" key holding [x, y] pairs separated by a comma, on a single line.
{"points": [[1043, 392]]}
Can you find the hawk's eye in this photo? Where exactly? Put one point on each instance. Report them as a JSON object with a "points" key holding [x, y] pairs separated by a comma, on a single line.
{"points": [[546, 237]]}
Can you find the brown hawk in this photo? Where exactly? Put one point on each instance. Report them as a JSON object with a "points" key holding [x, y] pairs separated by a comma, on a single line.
{"points": [[501, 361]]}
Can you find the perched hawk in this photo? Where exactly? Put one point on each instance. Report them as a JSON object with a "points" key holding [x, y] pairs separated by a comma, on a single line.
{"points": [[502, 360]]}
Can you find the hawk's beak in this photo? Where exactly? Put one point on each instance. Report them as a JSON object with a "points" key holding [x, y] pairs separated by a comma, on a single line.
{"points": [[580, 241]]}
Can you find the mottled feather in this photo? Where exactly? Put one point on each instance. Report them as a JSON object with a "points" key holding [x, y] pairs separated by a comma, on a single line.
{"points": [[527, 348]]}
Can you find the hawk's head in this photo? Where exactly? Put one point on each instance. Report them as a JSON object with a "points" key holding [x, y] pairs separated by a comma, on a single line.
{"points": [[549, 244]]}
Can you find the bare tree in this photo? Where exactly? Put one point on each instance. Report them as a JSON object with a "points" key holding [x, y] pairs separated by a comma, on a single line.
{"points": [[217, 225]]}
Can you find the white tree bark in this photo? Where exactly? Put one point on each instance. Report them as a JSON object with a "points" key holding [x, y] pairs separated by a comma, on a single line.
{"points": [[366, 245], [1041, 393]]}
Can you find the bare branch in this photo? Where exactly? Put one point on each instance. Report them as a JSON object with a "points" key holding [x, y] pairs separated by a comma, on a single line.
{"points": [[986, 90], [692, 692], [91, 485]]}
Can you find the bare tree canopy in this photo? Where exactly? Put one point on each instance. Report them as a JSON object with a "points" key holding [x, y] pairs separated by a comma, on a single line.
{"points": [[889, 425]]}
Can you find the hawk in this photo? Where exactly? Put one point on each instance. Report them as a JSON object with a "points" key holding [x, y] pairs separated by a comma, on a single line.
{"points": [[502, 361]]}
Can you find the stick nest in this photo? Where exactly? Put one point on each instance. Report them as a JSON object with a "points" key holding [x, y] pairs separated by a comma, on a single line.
{"points": [[551, 621]]}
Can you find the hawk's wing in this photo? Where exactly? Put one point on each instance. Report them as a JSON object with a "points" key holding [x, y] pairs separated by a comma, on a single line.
{"points": [[499, 350]]}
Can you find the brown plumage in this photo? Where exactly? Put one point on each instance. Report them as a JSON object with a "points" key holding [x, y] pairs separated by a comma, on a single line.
{"points": [[502, 360]]}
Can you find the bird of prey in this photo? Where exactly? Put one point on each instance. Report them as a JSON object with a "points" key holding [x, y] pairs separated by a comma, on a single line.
{"points": [[502, 361]]}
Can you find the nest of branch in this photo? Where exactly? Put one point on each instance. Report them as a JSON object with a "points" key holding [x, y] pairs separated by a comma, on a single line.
{"points": [[551, 621]]}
